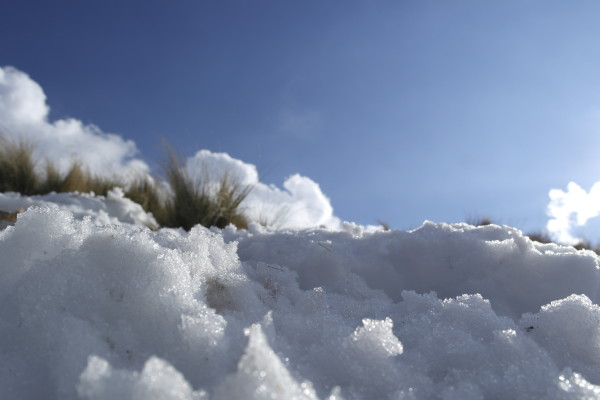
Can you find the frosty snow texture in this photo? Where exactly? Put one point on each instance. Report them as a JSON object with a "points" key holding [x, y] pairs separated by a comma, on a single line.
{"points": [[92, 311]]}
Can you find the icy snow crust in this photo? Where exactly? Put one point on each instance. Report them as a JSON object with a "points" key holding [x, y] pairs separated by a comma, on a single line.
{"points": [[91, 311]]}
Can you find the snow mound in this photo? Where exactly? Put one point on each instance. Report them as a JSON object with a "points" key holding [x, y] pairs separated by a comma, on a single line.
{"points": [[115, 208], [91, 311], [506, 267]]}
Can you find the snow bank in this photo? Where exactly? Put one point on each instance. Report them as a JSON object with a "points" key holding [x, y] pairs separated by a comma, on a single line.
{"points": [[121, 312], [115, 208], [515, 273]]}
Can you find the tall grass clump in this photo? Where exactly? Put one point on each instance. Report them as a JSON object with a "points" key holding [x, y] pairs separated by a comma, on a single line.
{"points": [[184, 204], [145, 192], [53, 181], [191, 203], [384, 225], [77, 179], [479, 220], [19, 173], [17, 168]]}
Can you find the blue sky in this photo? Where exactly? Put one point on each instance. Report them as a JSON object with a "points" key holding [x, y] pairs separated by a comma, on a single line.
{"points": [[401, 110]]}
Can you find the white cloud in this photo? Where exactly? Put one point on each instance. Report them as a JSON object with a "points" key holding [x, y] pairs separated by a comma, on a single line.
{"points": [[206, 165], [571, 209], [24, 116], [300, 204]]}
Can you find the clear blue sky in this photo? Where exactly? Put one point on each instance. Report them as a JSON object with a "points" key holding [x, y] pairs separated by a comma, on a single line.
{"points": [[401, 110]]}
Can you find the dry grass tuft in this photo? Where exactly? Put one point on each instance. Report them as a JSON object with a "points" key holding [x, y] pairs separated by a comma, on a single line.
{"points": [[192, 204], [77, 179], [17, 168], [539, 237], [384, 225], [479, 221], [144, 192], [186, 205]]}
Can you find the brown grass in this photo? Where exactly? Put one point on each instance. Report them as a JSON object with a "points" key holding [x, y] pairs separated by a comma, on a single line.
{"points": [[188, 204], [192, 203], [77, 179], [17, 168]]}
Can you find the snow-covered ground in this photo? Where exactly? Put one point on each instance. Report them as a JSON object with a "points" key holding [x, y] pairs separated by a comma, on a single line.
{"points": [[97, 306]]}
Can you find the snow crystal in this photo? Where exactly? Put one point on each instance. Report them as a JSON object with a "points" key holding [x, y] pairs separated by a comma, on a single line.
{"points": [[158, 380]]}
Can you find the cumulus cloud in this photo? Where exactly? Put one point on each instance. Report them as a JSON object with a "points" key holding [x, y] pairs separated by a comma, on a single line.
{"points": [[571, 209], [24, 116], [300, 204], [206, 165]]}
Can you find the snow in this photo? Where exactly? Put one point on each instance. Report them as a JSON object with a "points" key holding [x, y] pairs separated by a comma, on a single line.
{"points": [[114, 209], [97, 306]]}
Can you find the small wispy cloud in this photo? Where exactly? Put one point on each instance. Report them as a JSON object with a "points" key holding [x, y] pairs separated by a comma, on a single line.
{"points": [[300, 124], [571, 209]]}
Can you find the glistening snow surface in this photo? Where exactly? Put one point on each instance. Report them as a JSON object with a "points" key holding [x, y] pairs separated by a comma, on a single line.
{"points": [[94, 310]]}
